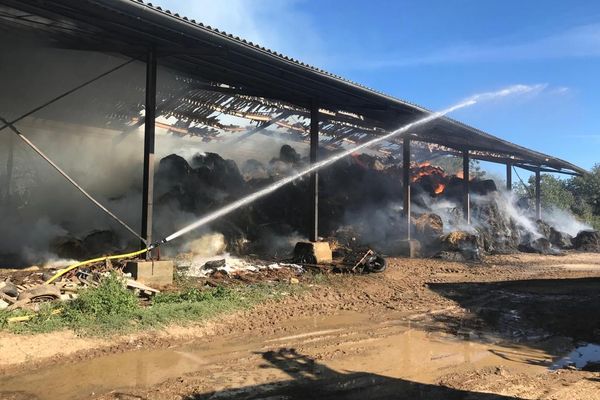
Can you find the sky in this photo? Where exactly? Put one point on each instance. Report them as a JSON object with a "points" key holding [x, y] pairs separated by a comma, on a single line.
{"points": [[437, 52]]}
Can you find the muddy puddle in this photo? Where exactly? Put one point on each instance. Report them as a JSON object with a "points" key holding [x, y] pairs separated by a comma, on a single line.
{"points": [[584, 356], [348, 343]]}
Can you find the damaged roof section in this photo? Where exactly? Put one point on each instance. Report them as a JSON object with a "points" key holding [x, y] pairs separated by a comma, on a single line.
{"points": [[231, 76]]}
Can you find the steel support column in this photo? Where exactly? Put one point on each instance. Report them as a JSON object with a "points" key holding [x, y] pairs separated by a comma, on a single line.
{"points": [[149, 137], [509, 177], [313, 233], [538, 195], [466, 191], [406, 183], [9, 168]]}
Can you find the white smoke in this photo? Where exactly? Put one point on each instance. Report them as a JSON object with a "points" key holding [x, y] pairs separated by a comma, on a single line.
{"points": [[564, 221], [507, 202]]}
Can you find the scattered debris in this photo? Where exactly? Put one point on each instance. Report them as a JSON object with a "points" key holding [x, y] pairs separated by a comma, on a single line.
{"points": [[140, 288], [9, 288], [370, 262], [30, 290], [313, 253], [202, 267]]}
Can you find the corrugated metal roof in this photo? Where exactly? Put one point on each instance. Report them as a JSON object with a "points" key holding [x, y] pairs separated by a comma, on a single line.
{"points": [[122, 25]]}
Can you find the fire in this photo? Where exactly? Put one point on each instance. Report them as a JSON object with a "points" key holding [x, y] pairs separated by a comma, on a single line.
{"points": [[434, 176], [426, 169]]}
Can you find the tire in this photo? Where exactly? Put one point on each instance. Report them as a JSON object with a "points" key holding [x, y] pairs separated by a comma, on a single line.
{"points": [[40, 293], [375, 264], [307, 259]]}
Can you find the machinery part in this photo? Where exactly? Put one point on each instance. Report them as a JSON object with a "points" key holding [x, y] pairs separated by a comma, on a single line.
{"points": [[375, 263], [370, 262], [156, 244], [306, 259]]}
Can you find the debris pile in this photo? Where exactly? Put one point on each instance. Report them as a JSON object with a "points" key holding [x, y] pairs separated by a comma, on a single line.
{"points": [[29, 289], [226, 265]]}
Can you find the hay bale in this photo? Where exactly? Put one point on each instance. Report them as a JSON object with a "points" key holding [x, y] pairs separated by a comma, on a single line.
{"points": [[587, 240]]}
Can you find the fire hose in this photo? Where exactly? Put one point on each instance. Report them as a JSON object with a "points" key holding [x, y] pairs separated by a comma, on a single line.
{"points": [[63, 271]]}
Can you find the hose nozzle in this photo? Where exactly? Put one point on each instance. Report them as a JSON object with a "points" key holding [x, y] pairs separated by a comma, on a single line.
{"points": [[156, 244]]}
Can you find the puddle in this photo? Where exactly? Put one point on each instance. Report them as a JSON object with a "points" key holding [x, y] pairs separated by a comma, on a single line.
{"points": [[354, 342], [580, 357]]}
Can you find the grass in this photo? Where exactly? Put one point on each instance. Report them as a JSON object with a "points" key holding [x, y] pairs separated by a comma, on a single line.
{"points": [[111, 309]]}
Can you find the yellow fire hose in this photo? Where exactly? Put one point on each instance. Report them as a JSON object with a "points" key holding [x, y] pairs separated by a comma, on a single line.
{"points": [[63, 271]]}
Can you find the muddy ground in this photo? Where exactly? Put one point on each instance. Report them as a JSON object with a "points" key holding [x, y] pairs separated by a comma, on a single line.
{"points": [[424, 329]]}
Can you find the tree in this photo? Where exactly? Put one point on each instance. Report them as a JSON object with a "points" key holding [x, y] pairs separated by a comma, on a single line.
{"points": [[555, 192], [586, 189], [580, 194]]}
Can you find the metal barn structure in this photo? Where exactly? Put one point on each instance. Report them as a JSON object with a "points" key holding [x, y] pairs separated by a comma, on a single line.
{"points": [[233, 76]]}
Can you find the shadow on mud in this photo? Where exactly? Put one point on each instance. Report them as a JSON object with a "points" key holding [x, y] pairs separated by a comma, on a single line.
{"points": [[311, 380], [526, 311]]}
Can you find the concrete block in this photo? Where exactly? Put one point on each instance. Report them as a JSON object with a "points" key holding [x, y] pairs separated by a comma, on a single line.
{"points": [[151, 273], [409, 248], [313, 252]]}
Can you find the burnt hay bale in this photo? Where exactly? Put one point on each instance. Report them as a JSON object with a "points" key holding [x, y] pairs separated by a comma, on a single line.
{"points": [[460, 242], [588, 240]]}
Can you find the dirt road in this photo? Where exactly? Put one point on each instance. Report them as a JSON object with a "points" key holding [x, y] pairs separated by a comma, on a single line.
{"points": [[425, 329]]}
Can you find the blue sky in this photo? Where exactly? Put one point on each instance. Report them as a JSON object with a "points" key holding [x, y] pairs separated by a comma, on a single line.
{"points": [[436, 52]]}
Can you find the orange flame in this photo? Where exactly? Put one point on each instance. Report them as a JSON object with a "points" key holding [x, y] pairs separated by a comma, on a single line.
{"points": [[437, 178], [436, 175]]}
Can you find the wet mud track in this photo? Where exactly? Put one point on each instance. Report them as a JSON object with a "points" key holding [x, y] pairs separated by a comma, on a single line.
{"points": [[528, 310], [346, 356], [423, 330]]}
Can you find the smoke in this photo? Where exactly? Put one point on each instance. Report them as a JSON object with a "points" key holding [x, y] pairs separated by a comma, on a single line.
{"points": [[564, 221], [507, 202], [208, 245], [501, 221], [89, 135], [378, 226]]}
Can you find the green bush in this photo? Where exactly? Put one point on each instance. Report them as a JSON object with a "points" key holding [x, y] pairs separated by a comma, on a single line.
{"points": [[111, 297], [108, 307], [192, 295]]}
